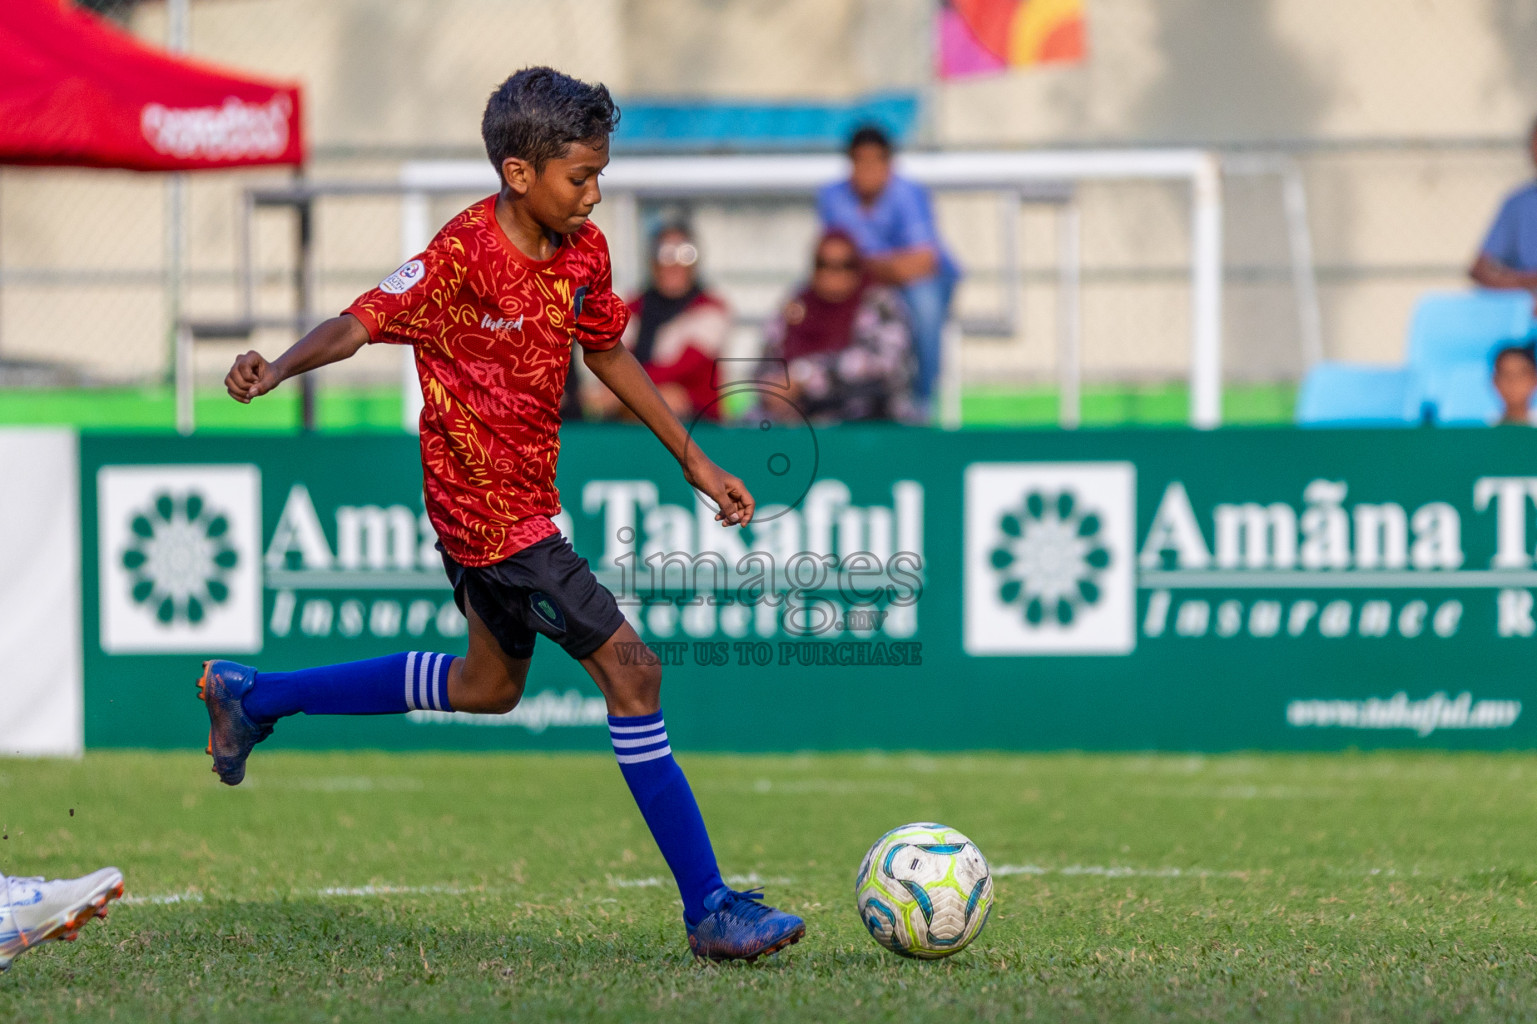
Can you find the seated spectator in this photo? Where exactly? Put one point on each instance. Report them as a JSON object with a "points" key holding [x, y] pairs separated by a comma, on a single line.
{"points": [[1515, 378], [1508, 258], [845, 342], [677, 331], [891, 220]]}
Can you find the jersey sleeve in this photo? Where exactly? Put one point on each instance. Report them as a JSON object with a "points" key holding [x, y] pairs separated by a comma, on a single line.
{"points": [[601, 316], [399, 309]]}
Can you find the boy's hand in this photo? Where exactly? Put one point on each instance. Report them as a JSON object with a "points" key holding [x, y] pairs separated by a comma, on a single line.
{"points": [[620, 373], [251, 377], [736, 503]]}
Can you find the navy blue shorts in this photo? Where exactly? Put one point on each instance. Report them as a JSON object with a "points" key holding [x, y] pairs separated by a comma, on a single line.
{"points": [[545, 588]]}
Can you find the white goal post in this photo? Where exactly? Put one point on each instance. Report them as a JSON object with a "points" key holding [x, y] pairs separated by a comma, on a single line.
{"points": [[630, 179]]}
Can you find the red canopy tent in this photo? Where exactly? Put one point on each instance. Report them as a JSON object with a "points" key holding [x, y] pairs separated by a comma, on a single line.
{"points": [[75, 91]]}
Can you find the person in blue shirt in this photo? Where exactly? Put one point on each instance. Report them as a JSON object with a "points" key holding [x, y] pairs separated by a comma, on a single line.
{"points": [[891, 219], [1508, 258]]}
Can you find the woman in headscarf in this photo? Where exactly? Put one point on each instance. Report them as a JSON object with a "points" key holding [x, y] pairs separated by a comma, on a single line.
{"points": [[845, 341], [677, 330]]}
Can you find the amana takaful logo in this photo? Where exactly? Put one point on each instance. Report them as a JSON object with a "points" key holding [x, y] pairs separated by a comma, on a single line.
{"points": [[179, 557], [1049, 557]]}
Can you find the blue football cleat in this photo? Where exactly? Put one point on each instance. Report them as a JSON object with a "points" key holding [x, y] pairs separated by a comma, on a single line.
{"points": [[740, 926], [231, 733]]}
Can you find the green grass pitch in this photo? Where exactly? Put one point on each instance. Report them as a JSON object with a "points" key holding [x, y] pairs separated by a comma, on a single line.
{"points": [[374, 887]]}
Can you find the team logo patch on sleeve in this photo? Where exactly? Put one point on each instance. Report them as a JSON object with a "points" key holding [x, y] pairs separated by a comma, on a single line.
{"points": [[404, 279], [577, 301]]}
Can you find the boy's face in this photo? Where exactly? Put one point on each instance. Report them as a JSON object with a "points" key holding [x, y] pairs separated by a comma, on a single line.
{"points": [[560, 198], [869, 171], [1515, 378]]}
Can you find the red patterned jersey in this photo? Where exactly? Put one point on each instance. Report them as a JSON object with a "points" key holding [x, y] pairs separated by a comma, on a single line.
{"points": [[492, 330]]}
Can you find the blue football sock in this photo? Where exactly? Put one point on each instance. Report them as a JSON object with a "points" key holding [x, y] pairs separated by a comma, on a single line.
{"points": [[391, 685], [667, 804]]}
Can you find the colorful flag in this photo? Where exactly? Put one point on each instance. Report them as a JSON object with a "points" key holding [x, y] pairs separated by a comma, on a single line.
{"points": [[977, 37]]}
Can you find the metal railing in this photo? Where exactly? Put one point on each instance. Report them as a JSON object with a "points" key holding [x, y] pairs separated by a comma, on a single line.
{"points": [[1046, 178]]}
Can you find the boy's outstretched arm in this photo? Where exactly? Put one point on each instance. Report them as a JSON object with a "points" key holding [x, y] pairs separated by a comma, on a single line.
{"points": [[338, 338], [618, 369]]}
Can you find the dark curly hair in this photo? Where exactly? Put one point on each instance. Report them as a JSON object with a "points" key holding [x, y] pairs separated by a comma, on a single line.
{"points": [[538, 113], [1526, 351], [870, 135]]}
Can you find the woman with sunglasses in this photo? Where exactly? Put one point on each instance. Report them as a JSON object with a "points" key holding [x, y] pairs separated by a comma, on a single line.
{"points": [[676, 332], [845, 342]]}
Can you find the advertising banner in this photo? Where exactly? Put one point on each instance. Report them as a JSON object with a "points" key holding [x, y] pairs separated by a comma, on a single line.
{"points": [[899, 589], [40, 672]]}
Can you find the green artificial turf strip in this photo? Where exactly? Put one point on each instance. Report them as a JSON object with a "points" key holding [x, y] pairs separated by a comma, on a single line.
{"points": [[349, 410], [339, 410], [1125, 405], [1357, 887]]}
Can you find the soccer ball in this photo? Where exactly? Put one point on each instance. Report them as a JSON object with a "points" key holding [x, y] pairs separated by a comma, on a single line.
{"points": [[924, 891]]}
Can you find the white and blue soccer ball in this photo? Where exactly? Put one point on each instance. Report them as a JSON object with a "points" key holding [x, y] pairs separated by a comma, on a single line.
{"points": [[924, 891]]}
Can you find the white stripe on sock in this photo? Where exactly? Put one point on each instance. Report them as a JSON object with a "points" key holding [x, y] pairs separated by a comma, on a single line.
{"points": [[644, 741], [637, 728], [421, 682], [437, 682], [410, 678], [650, 755]]}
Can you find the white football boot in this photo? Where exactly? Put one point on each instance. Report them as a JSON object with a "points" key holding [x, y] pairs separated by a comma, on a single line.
{"points": [[34, 911]]}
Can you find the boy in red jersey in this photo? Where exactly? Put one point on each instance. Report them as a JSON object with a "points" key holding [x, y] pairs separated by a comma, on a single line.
{"points": [[491, 309]]}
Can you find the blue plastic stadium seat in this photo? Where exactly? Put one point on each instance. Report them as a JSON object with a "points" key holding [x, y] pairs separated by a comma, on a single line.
{"points": [[1464, 395], [1347, 395], [1451, 329]]}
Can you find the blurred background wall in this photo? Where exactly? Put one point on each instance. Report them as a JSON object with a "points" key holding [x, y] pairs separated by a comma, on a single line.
{"points": [[1407, 119]]}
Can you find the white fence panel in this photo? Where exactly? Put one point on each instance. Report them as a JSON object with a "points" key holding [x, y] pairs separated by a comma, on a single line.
{"points": [[41, 695]]}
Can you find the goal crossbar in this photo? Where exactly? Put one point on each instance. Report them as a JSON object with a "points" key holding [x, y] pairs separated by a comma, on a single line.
{"points": [[1037, 176], [1040, 175]]}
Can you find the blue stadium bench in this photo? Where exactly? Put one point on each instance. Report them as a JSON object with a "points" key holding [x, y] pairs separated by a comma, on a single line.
{"points": [[1348, 395], [1450, 329]]}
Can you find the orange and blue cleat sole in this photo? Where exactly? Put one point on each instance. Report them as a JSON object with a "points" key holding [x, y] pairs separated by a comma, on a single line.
{"points": [[68, 928]]}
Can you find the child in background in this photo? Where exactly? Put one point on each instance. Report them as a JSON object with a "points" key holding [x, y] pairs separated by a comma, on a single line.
{"points": [[1515, 379]]}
